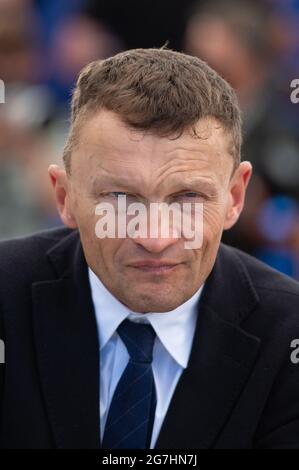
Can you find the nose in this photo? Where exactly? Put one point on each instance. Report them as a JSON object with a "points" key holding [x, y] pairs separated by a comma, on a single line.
{"points": [[162, 230], [161, 237], [155, 245]]}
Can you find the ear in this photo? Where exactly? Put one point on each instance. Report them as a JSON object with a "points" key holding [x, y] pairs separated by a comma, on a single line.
{"points": [[237, 191], [61, 187]]}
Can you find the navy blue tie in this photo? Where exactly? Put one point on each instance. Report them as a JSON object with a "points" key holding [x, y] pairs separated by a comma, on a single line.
{"points": [[131, 414]]}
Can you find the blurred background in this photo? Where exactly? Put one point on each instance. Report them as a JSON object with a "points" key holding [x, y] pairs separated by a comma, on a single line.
{"points": [[254, 45]]}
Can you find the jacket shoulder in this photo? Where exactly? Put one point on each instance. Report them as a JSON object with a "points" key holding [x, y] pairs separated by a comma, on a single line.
{"points": [[265, 278], [275, 316], [21, 257]]}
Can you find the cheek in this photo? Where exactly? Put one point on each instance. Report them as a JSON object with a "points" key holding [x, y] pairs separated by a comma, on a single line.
{"points": [[213, 220], [85, 214], [102, 255], [108, 249]]}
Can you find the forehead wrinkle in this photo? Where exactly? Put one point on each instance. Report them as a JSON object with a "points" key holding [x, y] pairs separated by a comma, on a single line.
{"points": [[190, 148], [180, 165], [202, 154], [101, 159], [182, 157], [102, 168], [111, 141]]}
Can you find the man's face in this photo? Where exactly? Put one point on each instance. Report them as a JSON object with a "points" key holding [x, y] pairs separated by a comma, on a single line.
{"points": [[150, 274]]}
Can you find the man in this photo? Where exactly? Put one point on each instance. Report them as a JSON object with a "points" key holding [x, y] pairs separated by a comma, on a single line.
{"points": [[141, 341]]}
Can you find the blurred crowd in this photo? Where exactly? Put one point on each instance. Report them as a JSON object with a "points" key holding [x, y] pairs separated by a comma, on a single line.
{"points": [[254, 45]]}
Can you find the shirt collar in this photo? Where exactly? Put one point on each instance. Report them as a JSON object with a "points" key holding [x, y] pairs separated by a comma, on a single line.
{"points": [[175, 329]]}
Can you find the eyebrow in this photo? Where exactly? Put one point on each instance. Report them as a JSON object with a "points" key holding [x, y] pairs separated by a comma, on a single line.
{"points": [[199, 183], [196, 182], [99, 182]]}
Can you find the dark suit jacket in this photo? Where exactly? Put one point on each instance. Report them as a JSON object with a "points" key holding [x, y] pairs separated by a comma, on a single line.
{"points": [[240, 389]]}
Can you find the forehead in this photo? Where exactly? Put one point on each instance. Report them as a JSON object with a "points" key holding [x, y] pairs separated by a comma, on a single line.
{"points": [[109, 148]]}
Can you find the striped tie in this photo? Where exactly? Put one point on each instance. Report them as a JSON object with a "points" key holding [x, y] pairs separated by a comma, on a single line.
{"points": [[131, 414]]}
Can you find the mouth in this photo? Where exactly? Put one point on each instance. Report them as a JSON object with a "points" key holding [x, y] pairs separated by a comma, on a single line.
{"points": [[154, 267]]}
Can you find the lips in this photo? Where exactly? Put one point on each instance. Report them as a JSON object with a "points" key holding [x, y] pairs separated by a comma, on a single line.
{"points": [[154, 266]]}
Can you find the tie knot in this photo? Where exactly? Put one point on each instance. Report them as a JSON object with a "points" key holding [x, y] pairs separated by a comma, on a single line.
{"points": [[139, 340]]}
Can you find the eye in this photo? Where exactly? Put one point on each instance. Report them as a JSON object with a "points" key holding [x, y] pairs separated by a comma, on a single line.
{"points": [[190, 195], [117, 193]]}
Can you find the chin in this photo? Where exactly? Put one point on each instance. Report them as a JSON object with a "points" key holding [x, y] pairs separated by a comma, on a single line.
{"points": [[155, 303]]}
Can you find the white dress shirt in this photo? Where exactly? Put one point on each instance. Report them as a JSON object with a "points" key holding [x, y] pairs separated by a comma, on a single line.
{"points": [[172, 347]]}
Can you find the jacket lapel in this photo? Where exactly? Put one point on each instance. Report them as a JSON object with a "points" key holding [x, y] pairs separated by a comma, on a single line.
{"points": [[67, 348], [221, 360]]}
